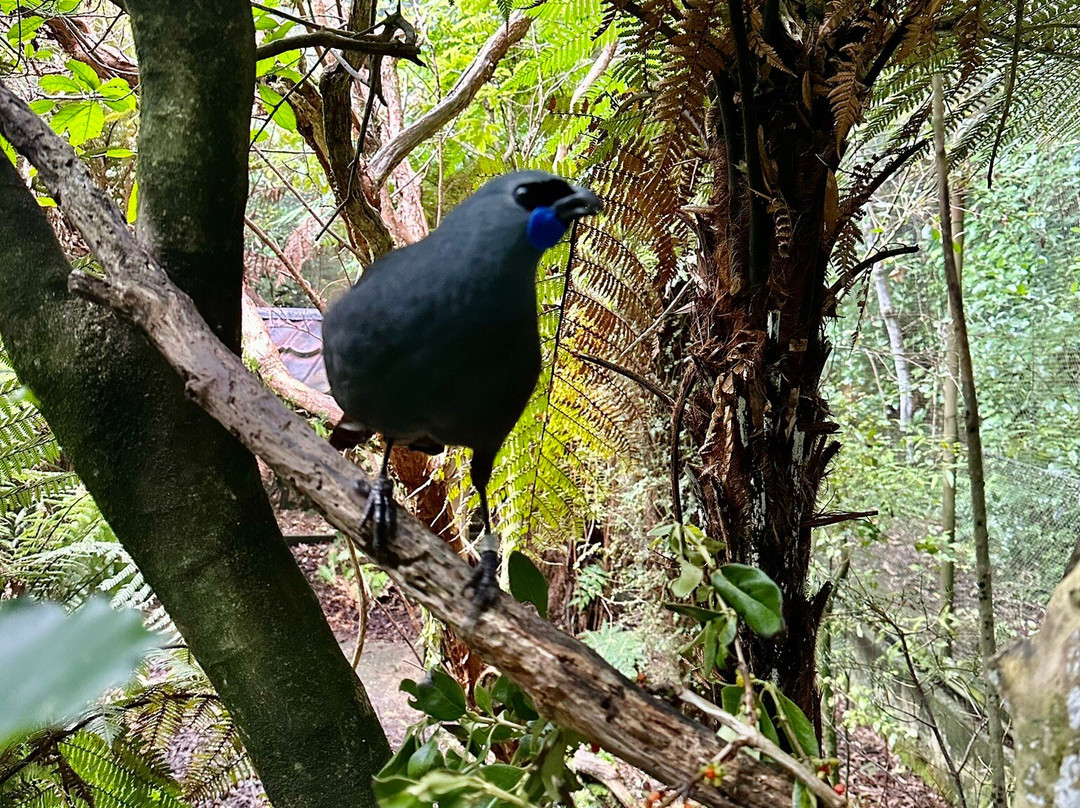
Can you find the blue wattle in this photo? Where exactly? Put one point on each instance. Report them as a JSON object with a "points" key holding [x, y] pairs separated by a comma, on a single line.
{"points": [[544, 228]]}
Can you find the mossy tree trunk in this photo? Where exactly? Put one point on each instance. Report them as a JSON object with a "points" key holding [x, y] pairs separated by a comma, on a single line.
{"points": [[182, 495]]}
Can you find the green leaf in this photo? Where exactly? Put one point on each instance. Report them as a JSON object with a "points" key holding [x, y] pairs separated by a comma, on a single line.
{"points": [[527, 583], [689, 579], [84, 74], [439, 696], [502, 775], [710, 649], [281, 113], [59, 84], [8, 150], [753, 596], [118, 95], [399, 763], [82, 120], [696, 612], [54, 664], [731, 698], [24, 29], [42, 106], [424, 759], [795, 723], [132, 210], [802, 797], [119, 153], [483, 699], [505, 692]]}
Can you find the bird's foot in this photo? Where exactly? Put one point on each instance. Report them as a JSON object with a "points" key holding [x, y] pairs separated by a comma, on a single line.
{"points": [[484, 581], [382, 511]]}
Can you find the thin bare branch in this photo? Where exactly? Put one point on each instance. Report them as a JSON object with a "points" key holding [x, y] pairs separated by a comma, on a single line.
{"points": [[475, 76], [312, 293], [341, 41]]}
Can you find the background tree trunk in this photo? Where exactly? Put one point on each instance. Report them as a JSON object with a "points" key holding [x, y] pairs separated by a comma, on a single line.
{"points": [[983, 571], [951, 436], [182, 495], [896, 343]]}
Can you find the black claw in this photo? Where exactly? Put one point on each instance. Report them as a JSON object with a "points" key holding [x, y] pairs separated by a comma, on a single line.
{"points": [[383, 513], [484, 582]]}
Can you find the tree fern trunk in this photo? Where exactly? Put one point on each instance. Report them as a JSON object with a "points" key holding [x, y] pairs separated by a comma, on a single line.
{"points": [[757, 415]]}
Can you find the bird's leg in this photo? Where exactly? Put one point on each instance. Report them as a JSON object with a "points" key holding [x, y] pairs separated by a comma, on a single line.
{"points": [[380, 506], [484, 582]]}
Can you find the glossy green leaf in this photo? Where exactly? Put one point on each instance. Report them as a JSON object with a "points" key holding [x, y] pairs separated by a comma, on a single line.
{"points": [[482, 697], [54, 664], [527, 583], [797, 723], [438, 696], [753, 596], [24, 29], [802, 797], [118, 95], [424, 759], [84, 74]]}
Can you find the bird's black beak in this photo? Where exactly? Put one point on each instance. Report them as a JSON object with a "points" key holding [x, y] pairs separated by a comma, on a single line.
{"points": [[582, 202]]}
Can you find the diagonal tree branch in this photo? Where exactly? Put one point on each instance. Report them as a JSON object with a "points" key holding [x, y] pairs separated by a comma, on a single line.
{"points": [[569, 683], [475, 76]]}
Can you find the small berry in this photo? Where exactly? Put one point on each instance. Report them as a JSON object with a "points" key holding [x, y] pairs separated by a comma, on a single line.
{"points": [[840, 789], [710, 773], [652, 799], [594, 748], [641, 677]]}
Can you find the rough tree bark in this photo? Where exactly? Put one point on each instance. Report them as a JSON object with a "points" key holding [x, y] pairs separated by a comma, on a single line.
{"points": [[1041, 680], [567, 681], [182, 495], [756, 411], [776, 123]]}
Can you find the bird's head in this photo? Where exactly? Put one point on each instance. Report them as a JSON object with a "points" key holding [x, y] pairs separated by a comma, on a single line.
{"points": [[548, 204]]}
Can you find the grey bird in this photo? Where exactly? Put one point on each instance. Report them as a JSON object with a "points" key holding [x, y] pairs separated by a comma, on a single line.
{"points": [[437, 343]]}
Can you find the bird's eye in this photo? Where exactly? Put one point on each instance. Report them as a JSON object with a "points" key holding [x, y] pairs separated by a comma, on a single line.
{"points": [[531, 195], [522, 195]]}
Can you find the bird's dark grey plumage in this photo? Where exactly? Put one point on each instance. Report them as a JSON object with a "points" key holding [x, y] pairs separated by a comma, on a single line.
{"points": [[437, 343]]}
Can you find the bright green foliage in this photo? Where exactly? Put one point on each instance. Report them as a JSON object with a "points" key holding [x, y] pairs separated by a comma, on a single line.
{"points": [[753, 596], [427, 773], [29, 455], [620, 648], [54, 664]]}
